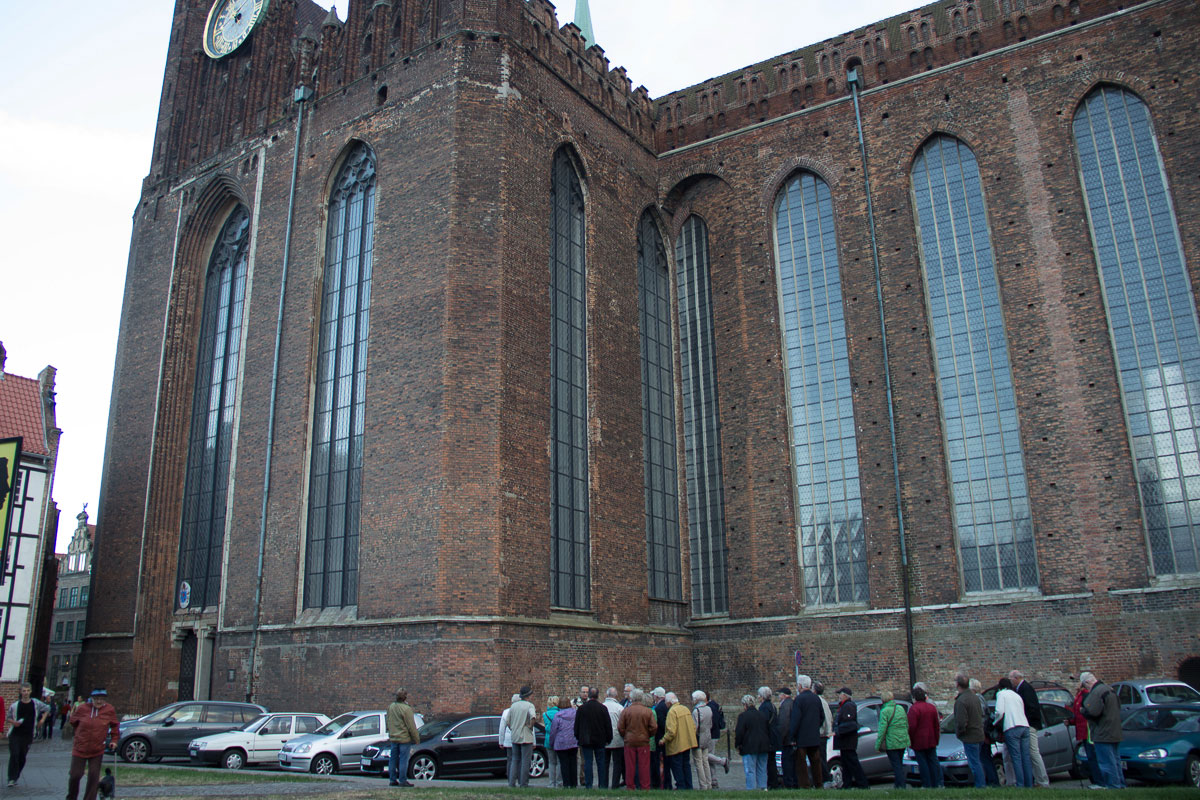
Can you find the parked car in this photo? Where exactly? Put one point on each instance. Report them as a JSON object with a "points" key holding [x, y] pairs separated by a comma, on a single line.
{"points": [[1133, 695], [336, 745], [1046, 691], [255, 742], [168, 731], [1160, 744], [1056, 743], [875, 764], [461, 745]]}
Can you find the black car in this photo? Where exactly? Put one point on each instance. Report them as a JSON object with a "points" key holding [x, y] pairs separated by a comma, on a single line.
{"points": [[462, 745]]}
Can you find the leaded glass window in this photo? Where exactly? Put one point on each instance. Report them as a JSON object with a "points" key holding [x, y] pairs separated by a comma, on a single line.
{"points": [[658, 415], [974, 376], [833, 548], [335, 476], [202, 536], [569, 557], [1151, 315], [701, 421]]}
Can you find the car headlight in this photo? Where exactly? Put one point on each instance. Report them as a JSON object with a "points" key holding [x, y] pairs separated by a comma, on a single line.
{"points": [[1153, 753], [303, 748], [957, 755], [194, 744]]}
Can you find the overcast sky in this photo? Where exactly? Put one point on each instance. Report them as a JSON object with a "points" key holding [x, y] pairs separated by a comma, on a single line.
{"points": [[78, 105]]}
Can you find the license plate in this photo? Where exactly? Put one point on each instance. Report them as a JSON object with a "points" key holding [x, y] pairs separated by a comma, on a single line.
{"points": [[285, 759], [366, 762], [193, 752]]}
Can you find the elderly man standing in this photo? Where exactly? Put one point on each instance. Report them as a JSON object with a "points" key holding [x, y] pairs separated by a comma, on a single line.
{"points": [[615, 750], [636, 725], [968, 726], [702, 715], [660, 776], [402, 733], [807, 718], [1033, 713], [593, 730], [679, 741], [1103, 712], [769, 712], [521, 717], [845, 740]]}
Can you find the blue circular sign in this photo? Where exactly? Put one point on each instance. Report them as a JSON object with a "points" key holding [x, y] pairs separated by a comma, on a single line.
{"points": [[185, 594]]}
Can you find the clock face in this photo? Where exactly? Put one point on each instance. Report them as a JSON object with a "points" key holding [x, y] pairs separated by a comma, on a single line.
{"points": [[230, 23]]}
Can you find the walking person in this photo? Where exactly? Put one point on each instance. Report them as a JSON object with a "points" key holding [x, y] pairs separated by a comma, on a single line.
{"points": [[1103, 711], [637, 725], [924, 729], [1033, 713], [22, 726], [551, 755], [893, 736], [718, 725], [562, 740], [968, 727], [1010, 716], [679, 741], [593, 730], [97, 731], [702, 717], [808, 719], [752, 739], [402, 735], [845, 741], [521, 716]]}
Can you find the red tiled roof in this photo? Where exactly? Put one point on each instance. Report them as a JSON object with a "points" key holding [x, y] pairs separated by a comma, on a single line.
{"points": [[21, 413]]}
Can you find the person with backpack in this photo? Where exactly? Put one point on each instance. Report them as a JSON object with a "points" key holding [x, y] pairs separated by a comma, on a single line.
{"points": [[718, 725], [893, 736]]}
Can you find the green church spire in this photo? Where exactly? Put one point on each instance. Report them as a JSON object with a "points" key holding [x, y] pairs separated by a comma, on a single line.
{"points": [[583, 21]]}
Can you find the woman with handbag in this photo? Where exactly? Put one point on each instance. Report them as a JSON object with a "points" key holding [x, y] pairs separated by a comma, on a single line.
{"points": [[893, 736]]}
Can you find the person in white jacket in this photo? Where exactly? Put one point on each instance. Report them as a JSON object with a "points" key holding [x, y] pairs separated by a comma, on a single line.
{"points": [[615, 751], [1010, 716]]}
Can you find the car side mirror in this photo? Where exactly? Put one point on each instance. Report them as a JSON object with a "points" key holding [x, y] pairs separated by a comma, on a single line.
{"points": [[263, 731], [168, 722], [449, 737]]}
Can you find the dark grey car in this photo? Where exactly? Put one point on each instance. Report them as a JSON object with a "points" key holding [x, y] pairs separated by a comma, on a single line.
{"points": [[168, 731]]}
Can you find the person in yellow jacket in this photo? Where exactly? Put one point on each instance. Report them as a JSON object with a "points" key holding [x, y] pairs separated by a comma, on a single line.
{"points": [[402, 733], [679, 741]]}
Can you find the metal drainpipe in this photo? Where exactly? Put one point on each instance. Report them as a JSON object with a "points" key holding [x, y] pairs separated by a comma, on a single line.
{"points": [[852, 80], [303, 93]]}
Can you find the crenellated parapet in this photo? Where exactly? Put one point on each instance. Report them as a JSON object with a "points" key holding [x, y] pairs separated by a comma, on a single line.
{"points": [[908, 44]]}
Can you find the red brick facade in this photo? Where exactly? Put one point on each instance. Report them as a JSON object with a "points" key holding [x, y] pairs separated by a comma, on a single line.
{"points": [[464, 103]]}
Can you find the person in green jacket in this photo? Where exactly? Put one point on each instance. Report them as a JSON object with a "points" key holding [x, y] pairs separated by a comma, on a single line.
{"points": [[893, 736]]}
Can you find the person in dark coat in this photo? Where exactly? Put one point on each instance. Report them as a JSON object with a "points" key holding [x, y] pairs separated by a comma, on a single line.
{"points": [[752, 738], [1103, 713], [1033, 713], [768, 710], [805, 727], [660, 776], [593, 731], [845, 741], [787, 749]]}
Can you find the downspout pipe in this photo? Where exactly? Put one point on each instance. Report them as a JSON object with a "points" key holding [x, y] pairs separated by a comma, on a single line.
{"points": [[302, 95], [854, 81]]}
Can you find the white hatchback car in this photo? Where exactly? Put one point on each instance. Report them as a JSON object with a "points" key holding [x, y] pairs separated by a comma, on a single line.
{"points": [[256, 742], [337, 745]]}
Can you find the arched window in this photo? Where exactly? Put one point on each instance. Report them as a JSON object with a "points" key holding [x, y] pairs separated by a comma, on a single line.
{"points": [[202, 534], [570, 568], [829, 518], [701, 421], [974, 378], [658, 415], [1151, 316], [335, 477]]}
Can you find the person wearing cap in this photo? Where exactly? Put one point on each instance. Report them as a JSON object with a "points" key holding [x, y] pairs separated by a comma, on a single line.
{"points": [[521, 718], [402, 733], [97, 730], [845, 740]]}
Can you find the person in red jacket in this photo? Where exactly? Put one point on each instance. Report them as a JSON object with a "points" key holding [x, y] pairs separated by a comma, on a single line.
{"points": [[97, 730], [924, 731]]}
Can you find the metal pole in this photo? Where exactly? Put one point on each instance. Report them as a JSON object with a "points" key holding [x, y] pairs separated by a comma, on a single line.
{"points": [[853, 80]]}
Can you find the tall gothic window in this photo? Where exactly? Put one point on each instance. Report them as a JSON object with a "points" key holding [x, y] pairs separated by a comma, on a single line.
{"points": [[202, 535], [974, 377], [570, 566], [1151, 315], [335, 477], [658, 415], [833, 549], [701, 421]]}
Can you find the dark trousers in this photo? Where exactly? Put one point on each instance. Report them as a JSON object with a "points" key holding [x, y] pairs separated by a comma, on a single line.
{"points": [[896, 757], [788, 761], [637, 767], [18, 749], [78, 765], [772, 771], [600, 757], [680, 765], [568, 767], [616, 761], [660, 773], [852, 771], [807, 757], [989, 766]]}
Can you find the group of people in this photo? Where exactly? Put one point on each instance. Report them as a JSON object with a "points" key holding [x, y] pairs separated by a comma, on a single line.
{"points": [[94, 728]]}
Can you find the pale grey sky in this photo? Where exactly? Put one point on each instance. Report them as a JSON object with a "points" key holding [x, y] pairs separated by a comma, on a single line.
{"points": [[77, 113]]}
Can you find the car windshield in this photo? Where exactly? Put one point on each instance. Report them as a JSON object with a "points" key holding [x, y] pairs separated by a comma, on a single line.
{"points": [[335, 725], [431, 729], [948, 723], [253, 725], [1172, 693], [1177, 720]]}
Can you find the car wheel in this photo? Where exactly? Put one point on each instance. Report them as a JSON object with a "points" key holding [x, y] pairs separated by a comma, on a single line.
{"points": [[537, 763], [233, 758], [835, 774], [423, 768], [324, 764], [135, 750], [1191, 771]]}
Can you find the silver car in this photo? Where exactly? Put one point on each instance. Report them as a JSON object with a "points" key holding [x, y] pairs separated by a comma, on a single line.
{"points": [[337, 745]]}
